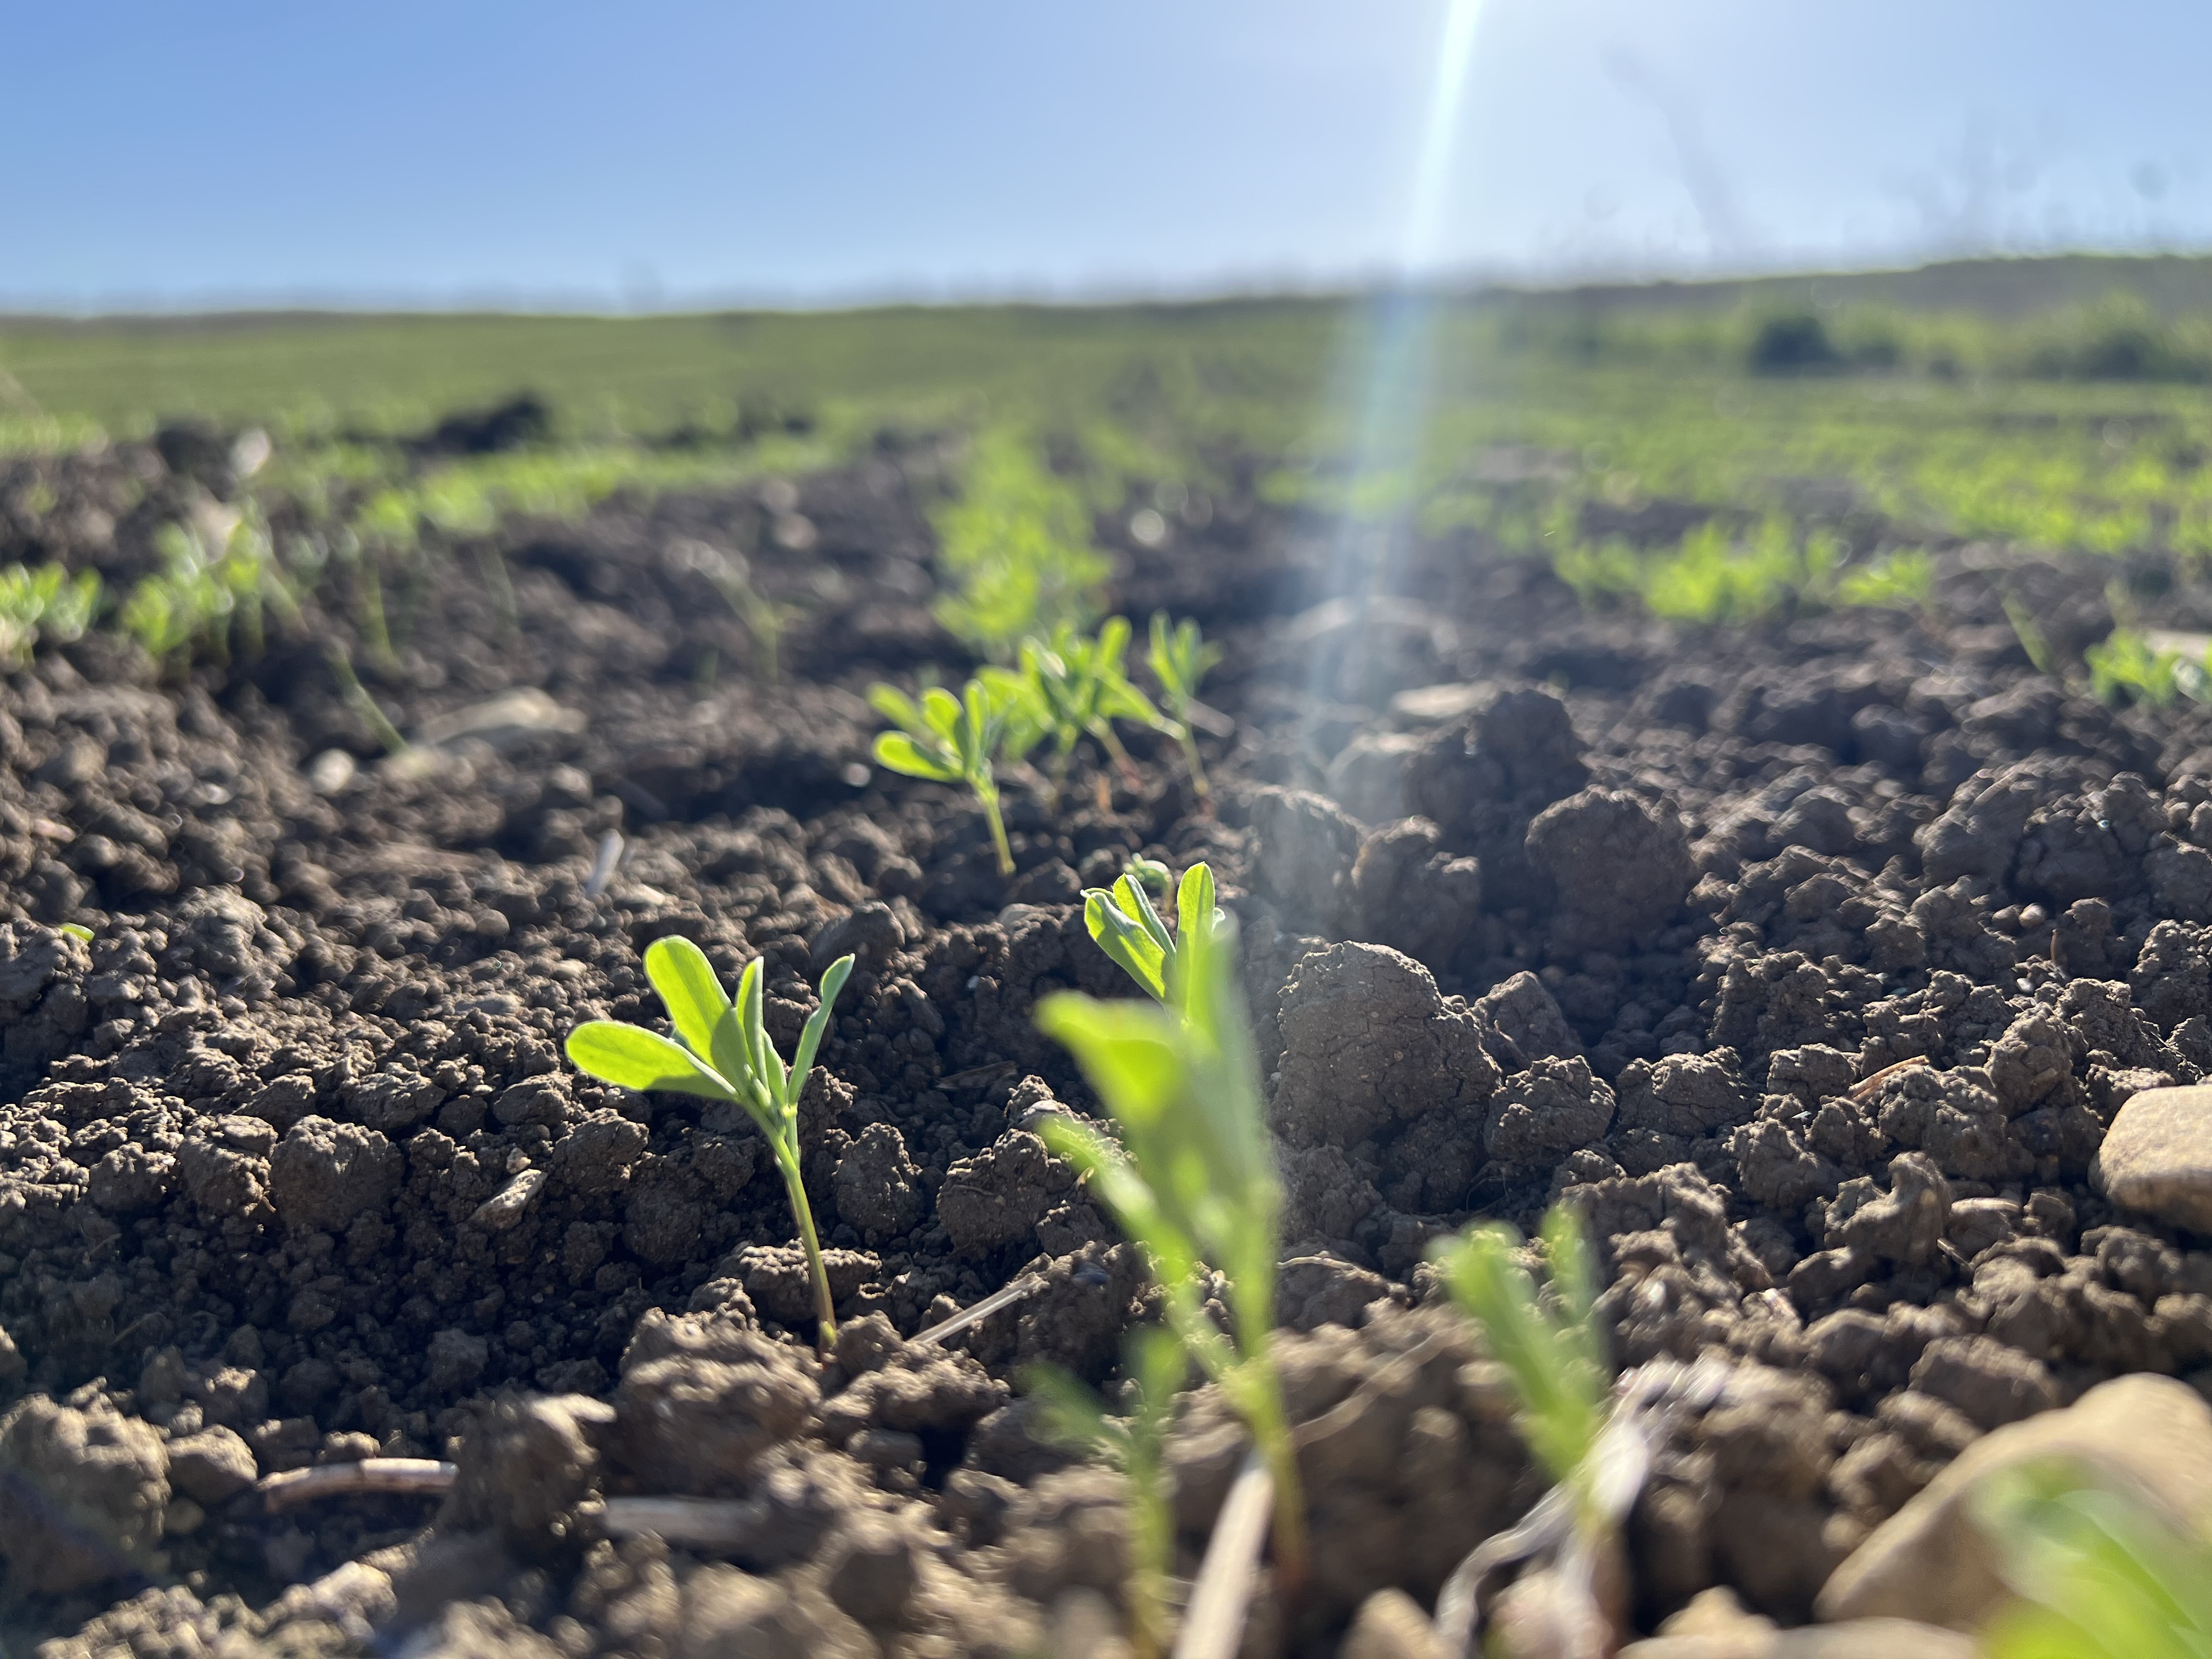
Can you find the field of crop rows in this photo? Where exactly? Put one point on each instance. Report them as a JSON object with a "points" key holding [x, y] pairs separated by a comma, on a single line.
{"points": [[1730, 795]]}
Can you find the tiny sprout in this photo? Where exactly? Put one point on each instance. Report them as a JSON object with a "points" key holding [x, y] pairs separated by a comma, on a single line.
{"points": [[1595, 1453], [724, 1053], [950, 740], [1180, 659], [1154, 1365], [1152, 872], [1126, 926], [1552, 1354], [1076, 687], [1194, 1180], [46, 604]]}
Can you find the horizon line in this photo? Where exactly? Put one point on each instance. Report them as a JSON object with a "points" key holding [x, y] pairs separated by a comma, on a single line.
{"points": [[580, 304]]}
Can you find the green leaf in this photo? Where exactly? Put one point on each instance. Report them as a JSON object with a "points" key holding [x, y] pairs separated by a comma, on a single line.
{"points": [[752, 1035], [1195, 901], [730, 1056], [940, 714], [2099, 1576], [632, 1057], [688, 989], [764, 1072], [1130, 945], [977, 730], [894, 705], [901, 753], [1127, 1051], [809, 1039], [1134, 903]]}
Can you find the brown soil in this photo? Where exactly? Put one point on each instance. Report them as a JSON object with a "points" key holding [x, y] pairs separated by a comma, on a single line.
{"points": [[1631, 921]]}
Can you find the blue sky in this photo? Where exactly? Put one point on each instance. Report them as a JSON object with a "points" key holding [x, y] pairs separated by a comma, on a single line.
{"points": [[666, 152]]}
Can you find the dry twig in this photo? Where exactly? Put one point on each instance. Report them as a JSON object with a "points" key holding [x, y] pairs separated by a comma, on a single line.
{"points": [[1005, 1296], [414, 1477], [1214, 1626], [1867, 1085]]}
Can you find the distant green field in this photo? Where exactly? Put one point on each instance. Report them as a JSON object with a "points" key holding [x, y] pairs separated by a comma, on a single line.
{"points": [[645, 375], [1275, 360], [1814, 435]]}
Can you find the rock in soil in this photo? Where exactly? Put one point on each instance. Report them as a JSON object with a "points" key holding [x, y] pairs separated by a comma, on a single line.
{"points": [[2156, 1158], [2148, 1435]]}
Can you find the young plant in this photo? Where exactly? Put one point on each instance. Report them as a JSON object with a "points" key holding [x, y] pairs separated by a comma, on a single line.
{"points": [[2098, 1575], [724, 1053], [2125, 663], [1552, 1354], [1154, 1365], [730, 574], [1194, 1180], [1181, 658], [210, 595], [763, 618], [1904, 580], [950, 740], [2030, 633], [47, 604], [1015, 547], [1126, 926], [1076, 688], [1596, 1457]]}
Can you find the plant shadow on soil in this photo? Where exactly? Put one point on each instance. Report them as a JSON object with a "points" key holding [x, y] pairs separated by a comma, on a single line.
{"points": [[262, 1201]]}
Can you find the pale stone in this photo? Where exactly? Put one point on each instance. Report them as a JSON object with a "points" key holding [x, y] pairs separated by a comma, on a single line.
{"points": [[1390, 1625], [2157, 1156], [1855, 1638], [1929, 1561]]}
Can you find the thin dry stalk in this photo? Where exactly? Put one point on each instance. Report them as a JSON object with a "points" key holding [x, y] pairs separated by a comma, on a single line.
{"points": [[417, 1477], [603, 866], [1867, 1085], [1004, 1295], [1214, 1627]]}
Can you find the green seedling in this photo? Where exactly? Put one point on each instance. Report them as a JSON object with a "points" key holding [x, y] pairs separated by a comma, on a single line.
{"points": [[1156, 877], [1194, 1180], [1552, 1353], [207, 599], [1554, 1362], [1129, 930], [1076, 688], [731, 575], [1901, 580], [763, 618], [2125, 664], [1154, 1365], [950, 740], [2030, 633], [1015, 547], [45, 606], [358, 699], [1180, 659], [2097, 1575], [723, 1052]]}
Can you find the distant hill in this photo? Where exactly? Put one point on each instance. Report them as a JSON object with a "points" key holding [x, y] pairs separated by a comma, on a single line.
{"points": [[2174, 284]]}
